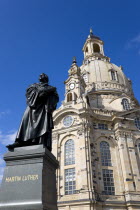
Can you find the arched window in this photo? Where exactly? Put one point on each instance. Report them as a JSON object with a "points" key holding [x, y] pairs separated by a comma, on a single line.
{"points": [[69, 152], [137, 122], [96, 48], [69, 97], [105, 153], [125, 103]]}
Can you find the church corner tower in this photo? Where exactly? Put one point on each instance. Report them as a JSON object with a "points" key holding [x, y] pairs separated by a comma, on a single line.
{"points": [[96, 136]]}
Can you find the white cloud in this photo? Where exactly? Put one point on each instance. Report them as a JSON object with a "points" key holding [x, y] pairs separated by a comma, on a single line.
{"points": [[136, 39], [1, 173], [3, 113], [134, 43], [1, 177], [7, 138], [1, 168], [1, 160]]}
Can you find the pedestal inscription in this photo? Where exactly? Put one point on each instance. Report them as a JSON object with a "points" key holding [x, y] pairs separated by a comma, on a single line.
{"points": [[29, 180]]}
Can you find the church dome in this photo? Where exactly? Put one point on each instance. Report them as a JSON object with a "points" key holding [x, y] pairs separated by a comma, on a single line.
{"points": [[105, 76]]}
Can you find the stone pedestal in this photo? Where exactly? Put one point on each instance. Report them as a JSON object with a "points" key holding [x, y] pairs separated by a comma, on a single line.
{"points": [[29, 180]]}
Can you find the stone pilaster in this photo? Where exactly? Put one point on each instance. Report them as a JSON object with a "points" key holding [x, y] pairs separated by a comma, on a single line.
{"points": [[125, 160], [133, 161]]}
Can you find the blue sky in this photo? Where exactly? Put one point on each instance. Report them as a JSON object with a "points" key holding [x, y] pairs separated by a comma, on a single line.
{"points": [[43, 35]]}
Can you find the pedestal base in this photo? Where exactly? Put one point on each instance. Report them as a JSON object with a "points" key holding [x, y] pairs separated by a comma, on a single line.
{"points": [[29, 180]]}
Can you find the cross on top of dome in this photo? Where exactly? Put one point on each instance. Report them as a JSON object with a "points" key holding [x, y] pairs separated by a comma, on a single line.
{"points": [[92, 36]]}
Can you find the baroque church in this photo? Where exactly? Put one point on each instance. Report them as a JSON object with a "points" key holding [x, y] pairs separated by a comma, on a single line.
{"points": [[96, 136]]}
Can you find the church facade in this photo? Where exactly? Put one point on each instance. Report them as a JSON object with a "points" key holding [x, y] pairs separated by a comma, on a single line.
{"points": [[96, 136]]}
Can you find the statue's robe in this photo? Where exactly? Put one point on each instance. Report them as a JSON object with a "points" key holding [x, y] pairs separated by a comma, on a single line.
{"points": [[37, 119]]}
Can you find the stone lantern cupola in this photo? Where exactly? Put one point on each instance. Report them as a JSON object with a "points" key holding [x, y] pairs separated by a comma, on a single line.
{"points": [[93, 46]]}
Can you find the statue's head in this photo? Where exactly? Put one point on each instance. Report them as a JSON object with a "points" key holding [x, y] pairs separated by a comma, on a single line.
{"points": [[43, 78]]}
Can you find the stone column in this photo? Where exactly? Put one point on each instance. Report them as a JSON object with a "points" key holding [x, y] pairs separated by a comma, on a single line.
{"points": [[29, 180]]}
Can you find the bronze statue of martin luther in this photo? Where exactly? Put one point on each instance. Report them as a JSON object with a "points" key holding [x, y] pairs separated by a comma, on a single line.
{"points": [[37, 123]]}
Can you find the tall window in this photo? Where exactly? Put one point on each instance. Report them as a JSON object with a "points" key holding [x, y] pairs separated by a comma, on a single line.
{"points": [[137, 122], [70, 183], [69, 152], [69, 97], [86, 49], [125, 103], [105, 154], [108, 180], [96, 48], [113, 75]]}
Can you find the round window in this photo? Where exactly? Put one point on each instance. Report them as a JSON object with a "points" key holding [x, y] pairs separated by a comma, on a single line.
{"points": [[67, 121]]}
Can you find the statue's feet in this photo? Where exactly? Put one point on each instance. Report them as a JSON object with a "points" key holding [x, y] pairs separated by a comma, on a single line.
{"points": [[12, 146], [49, 148]]}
